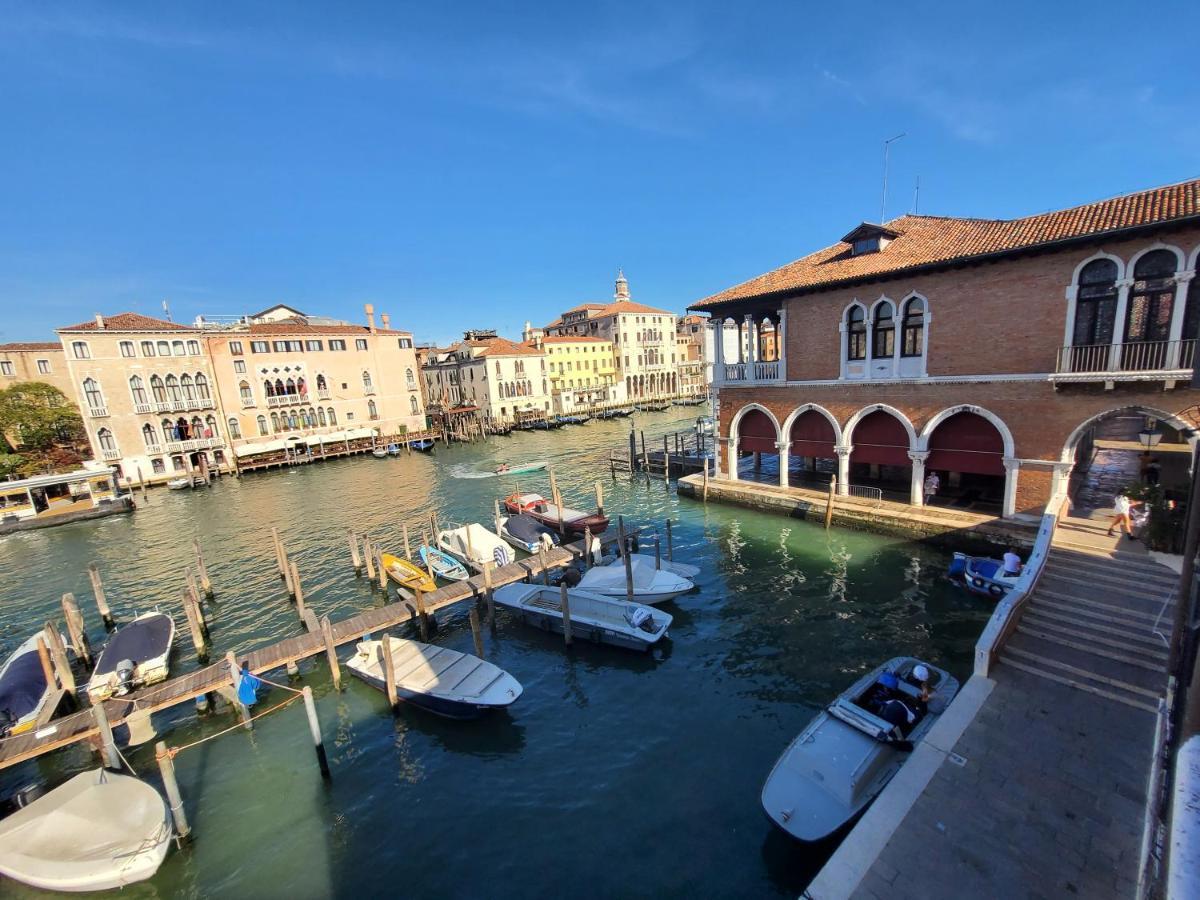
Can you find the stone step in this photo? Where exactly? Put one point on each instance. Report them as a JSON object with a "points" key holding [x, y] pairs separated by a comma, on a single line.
{"points": [[1065, 639], [1069, 630], [1115, 609], [1140, 637], [1138, 679], [1145, 600], [1081, 683], [1085, 612], [1156, 575]]}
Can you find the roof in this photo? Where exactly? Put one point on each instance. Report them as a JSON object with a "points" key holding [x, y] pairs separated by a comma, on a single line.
{"points": [[271, 309], [600, 310], [926, 241], [574, 339], [58, 478], [293, 327], [129, 321], [499, 346], [30, 345]]}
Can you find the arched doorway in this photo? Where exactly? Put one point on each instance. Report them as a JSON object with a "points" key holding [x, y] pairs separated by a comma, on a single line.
{"points": [[881, 441], [967, 452], [755, 434], [813, 439]]}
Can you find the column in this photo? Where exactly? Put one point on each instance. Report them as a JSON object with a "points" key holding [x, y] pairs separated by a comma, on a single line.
{"points": [[843, 472], [783, 447], [731, 459], [1060, 479], [916, 495], [718, 354], [1011, 468], [781, 343], [1182, 282], [747, 343], [1114, 353]]}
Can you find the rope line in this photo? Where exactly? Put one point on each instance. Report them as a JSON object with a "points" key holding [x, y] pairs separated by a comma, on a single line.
{"points": [[282, 687], [175, 751]]}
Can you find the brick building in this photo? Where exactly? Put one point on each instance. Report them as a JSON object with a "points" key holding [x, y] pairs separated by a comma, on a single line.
{"points": [[985, 350]]}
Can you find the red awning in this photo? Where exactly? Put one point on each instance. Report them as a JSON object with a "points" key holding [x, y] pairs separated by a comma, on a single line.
{"points": [[812, 435], [880, 438], [966, 442], [757, 432]]}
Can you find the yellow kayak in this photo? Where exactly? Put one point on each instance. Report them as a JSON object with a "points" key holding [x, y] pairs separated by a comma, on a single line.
{"points": [[407, 574]]}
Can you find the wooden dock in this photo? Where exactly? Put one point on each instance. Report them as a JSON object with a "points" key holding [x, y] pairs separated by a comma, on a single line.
{"points": [[83, 726]]}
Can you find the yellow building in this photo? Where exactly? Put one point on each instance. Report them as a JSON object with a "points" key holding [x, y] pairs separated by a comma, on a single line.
{"points": [[582, 371], [35, 361]]}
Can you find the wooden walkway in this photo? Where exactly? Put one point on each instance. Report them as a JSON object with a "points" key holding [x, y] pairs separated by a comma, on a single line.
{"points": [[81, 726]]}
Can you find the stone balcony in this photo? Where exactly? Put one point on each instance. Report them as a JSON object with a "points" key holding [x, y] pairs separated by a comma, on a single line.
{"points": [[748, 373]]}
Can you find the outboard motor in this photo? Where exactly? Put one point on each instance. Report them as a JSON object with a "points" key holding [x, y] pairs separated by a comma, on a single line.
{"points": [[631, 543], [7, 721], [124, 677]]}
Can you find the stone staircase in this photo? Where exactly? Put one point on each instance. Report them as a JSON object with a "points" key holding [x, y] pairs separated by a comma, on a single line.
{"points": [[1100, 618]]}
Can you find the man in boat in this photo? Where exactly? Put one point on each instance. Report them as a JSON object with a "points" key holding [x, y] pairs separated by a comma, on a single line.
{"points": [[502, 468], [1012, 564]]}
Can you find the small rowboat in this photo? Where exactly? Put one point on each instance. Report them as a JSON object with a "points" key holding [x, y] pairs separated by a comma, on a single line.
{"points": [[407, 574], [425, 446], [438, 679], [594, 618], [135, 656], [573, 520], [443, 564], [982, 575], [23, 688]]}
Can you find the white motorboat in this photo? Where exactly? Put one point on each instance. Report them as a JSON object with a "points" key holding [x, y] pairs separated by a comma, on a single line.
{"points": [[683, 570], [179, 484], [599, 619], [438, 679], [650, 585], [136, 655], [98, 831], [23, 688], [474, 545], [847, 754]]}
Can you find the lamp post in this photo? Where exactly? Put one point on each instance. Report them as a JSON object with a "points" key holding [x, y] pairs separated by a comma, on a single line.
{"points": [[1149, 436]]}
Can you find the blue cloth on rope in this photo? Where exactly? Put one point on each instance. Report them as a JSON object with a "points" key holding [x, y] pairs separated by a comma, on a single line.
{"points": [[248, 686]]}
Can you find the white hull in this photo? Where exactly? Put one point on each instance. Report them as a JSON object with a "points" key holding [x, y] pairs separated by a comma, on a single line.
{"points": [[146, 672], [600, 619]]}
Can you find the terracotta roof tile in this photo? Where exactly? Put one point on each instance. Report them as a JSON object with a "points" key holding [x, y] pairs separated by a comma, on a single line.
{"points": [[600, 310], [129, 321], [931, 240], [31, 345], [499, 346], [292, 327], [573, 339]]}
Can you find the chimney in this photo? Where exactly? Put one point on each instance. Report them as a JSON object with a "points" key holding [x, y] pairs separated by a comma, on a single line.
{"points": [[369, 308], [100, 321], [387, 321]]}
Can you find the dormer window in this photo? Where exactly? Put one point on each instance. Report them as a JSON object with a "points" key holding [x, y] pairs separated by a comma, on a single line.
{"points": [[868, 238], [866, 245]]}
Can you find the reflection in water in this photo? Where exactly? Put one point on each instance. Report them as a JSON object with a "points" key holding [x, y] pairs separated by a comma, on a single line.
{"points": [[614, 754]]}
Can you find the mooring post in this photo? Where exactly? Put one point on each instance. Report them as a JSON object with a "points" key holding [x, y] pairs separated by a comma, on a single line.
{"points": [[599, 498], [407, 551], [166, 768], [43, 653], [331, 653], [75, 629], [426, 555], [496, 518], [279, 553], [289, 585], [383, 576], [657, 552], [829, 502], [314, 728], [141, 483], [566, 613], [706, 479], [193, 624], [422, 622], [632, 449], [628, 561], [202, 570], [298, 591], [354, 559], [235, 679], [388, 664], [433, 523], [612, 464], [645, 455], [108, 746], [587, 548], [556, 498], [98, 591], [487, 594], [369, 558], [670, 543], [544, 562], [58, 655], [666, 459], [476, 633]]}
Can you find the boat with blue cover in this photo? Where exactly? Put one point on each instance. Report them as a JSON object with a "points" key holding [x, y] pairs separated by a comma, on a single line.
{"points": [[526, 533], [136, 655], [982, 575], [423, 446], [23, 688]]}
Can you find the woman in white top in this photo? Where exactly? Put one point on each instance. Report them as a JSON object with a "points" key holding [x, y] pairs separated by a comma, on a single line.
{"points": [[1120, 515]]}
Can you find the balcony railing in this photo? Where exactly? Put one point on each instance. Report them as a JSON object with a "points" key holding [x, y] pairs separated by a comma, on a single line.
{"points": [[287, 400], [154, 448], [749, 373], [110, 454], [142, 408], [322, 393], [1131, 360], [247, 402], [193, 444], [369, 390], [98, 412]]}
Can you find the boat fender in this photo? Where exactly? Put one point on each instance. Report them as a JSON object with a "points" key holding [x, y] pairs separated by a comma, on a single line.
{"points": [[996, 591], [977, 581], [500, 555]]}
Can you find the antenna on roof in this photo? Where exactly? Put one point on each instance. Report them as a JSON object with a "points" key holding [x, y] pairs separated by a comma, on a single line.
{"points": [[917, 196], [883, 202], [167, 311]]}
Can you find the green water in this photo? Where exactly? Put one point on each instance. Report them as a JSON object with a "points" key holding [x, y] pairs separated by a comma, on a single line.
{"points": [[615, 774]]}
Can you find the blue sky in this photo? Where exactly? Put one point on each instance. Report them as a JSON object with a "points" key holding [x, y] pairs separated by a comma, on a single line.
{"points": [[474, 165]]}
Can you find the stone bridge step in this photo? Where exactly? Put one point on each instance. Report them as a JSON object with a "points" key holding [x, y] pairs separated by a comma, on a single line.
{"points": [[1052, 629], [1080, 682], [1140, 638], [1150, 682]]}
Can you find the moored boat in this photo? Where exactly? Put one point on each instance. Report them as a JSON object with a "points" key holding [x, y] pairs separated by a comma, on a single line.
{"points": [[602, 620], [24, 691], [575, 521], [424, 446], [982, 575], [474, 545], [100, 830], [407, 573], [136, 655], [443, 564], [393, 449], [850, 751], [527, 533], [379, 453], [650, 585], [179, 484], [438, 679]]}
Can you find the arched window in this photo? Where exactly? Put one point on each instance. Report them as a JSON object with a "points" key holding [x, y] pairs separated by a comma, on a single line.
{"points": [[275, 421], [321, 385], [147, 348], [856, 333], [279, 388], [1095, 304], [177, 348], [312, 418], [197, 427], [202, 387], [292, 420], [408, 375], [210, 426], [1151, 298], [321, 416], [332, 416], [913, 342], [366, 376], [1191, 322], [173, 387], [412, 401], [149, 435], [91, 390], [372, 410], [245, 393], [156, 388], [269, 388], [262, 425], [105, 437], [291, 387], [168, 430], [137, 389], [188, 387], [193, 348], [301, 386], [235, 430], [883, 332]]}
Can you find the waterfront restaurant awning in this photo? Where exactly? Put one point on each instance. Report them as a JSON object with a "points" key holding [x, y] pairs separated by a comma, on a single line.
{"points": [[255, 449], [41, 481], [355, 433]]}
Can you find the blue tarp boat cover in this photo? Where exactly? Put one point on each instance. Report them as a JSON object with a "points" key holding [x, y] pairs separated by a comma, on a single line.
{"points": [[985, 567], [138, 641], [528, 529], [22, 687]]}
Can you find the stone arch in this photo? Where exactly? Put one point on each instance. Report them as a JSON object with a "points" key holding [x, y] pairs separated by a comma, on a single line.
{"points": [[1193, 258], [811, 407], [741, 414], [1180, 256], [848, 431], [935, 421], [1182, 425], [1099, 254]]}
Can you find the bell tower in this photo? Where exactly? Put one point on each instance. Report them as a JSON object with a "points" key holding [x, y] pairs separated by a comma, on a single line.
{"points": [[622, 291]]}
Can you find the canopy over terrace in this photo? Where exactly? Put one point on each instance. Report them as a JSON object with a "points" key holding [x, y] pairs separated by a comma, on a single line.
{"points": [[279, 445], [29, 496]]}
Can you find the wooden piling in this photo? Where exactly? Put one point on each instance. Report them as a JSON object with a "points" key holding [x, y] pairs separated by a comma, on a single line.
{"points": [[166, 768], [705, 496], [141, 483], [628, 562], [58, 656], [645, 455], [599, 498], [331, 653], [666, 458], [829, 502], [544, 563], [235, 678], [354, 558], [389, 670], [496, 519], [193, 622], [556, 499], [101, 601], [298, 591], [476, 633], [75, 629], [566, 613], [422, 621], [407, 551], [488, 594], [383, 576], [426, 556], [670, 543], [202, 570], [587, 548], [657, 552], [279, 562], [108, 746], [43, 653], [314, 728], [369, 558]]}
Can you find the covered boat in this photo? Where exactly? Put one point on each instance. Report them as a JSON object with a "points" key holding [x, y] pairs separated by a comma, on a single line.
{"points": [[438, 679], [393, 449], [650, 585], [847, 754], [379, 453], [98, 831], [23, 688], [527, 533], [443, 564], [407, 573], [575, 521], [424, 446], [602, 620], [135, 656], [982, 575], [474, 545], [178, 484]]}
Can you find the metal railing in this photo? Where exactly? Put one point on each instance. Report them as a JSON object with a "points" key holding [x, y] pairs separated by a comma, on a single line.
{"points": [[1132, 357], [866, 492]]}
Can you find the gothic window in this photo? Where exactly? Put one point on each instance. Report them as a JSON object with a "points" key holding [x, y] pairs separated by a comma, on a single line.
{"points": [[913, 341], [1095, 304], [137, 389], [883, 332], [856, 333], [91, 390]]}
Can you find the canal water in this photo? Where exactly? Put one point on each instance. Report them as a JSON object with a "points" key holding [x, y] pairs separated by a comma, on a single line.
{"points": [[615, 774]]}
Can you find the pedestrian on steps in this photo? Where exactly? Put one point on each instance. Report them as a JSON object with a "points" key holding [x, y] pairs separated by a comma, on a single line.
{"points": [[1121, 515]]}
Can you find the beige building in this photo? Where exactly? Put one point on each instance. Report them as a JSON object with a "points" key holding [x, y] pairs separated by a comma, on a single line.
{"points": [[35, 361], [161, 399], [694, 373], [490, 378], [643, 338]]}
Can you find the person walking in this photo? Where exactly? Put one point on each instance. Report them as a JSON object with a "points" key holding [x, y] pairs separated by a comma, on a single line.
{"points": [[932, 483], [1121, 515]]}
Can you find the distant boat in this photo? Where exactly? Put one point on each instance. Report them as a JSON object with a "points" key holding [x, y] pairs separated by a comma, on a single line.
{"points": [[982, 575], [574, 520], [650, 585], [527, 533], [520, 468], [846, 755], [438, 679], [23, 688], [379, 453], [406, 573], [424, 446], [593, 617], [705, 425], [443, 564], [98, 831], [393, 449], [135, 656], [474, 545]]}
